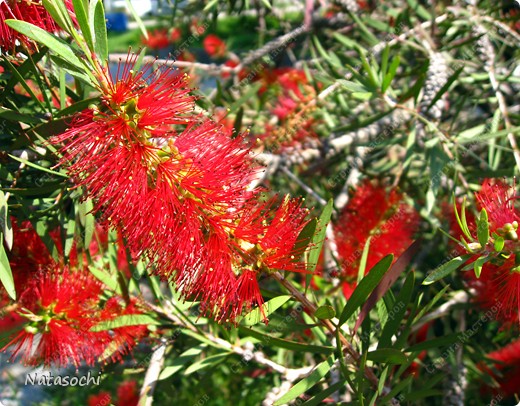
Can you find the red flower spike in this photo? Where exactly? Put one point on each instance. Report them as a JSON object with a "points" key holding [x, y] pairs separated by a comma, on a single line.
{"points": [[32, 12], [507, 360], [214, 46], [157, 39], [373, 212], [127, 393], [102, 398], [498, 289], [498, 198], [57, 330], [180, 197]]}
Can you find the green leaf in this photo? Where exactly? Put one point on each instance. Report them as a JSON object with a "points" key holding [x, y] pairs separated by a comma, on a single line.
{"points": [[317, 399], [126, 320], [55, 44], [287, 344], [80, 9], [206, 362], [365, 287], [180, 361], [267, 4], [106, 278], [320, 49], [387, 355], [304, 239], [6, 276], [238, 122], [255, 316], [40, 168], [499, 243], [462, 222], [325, 312], [478, 264], [306, 383], [483, 228], [59, 14], [435, 343], [363, 260], [100, 32], [396, 312], [419, 9], [137, 19], [319, 236], [396, 389], [390, 74], [445, 269]]}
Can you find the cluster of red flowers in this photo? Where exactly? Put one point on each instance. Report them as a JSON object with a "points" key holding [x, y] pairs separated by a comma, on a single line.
{"points": [[30, 11], [498, 286], [294, 123], [372, 212], [214, 46], [507, 364], [127, 395], [50, 327], [161, 38], [177, 187]]}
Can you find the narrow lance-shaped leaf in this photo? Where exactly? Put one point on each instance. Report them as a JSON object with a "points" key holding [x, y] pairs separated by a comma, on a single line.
{"points": [[478, 264], [319, 236], [82, 17], [388, 280], [483, 228], [100, 32], [365, 287], [57, 45], [6, 275], [255, 316], [445, 269], [306, 383]]}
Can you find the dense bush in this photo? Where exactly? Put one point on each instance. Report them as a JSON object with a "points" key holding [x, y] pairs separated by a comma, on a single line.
{"points": [[262, 202]]}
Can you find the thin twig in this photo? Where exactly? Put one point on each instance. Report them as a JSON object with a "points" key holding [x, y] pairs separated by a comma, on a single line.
{"points": [[152, 375]]}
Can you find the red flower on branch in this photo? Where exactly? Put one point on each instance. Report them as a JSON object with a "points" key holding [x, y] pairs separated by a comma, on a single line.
{"points": [[177, 187], [157, 39], [373, 212], [31, 12], [50, 327], [214, 46], [498, 200], [507, 363]]}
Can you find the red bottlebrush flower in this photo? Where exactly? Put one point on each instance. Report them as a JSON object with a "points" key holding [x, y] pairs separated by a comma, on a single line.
{"points": [[498, 289], [103, 398], [373, 212], [497, 198], [175, 34], [157, 39], [179, 196], [29, 11], [58, 329], [214, 46], [507, 361], [127, 394]]}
